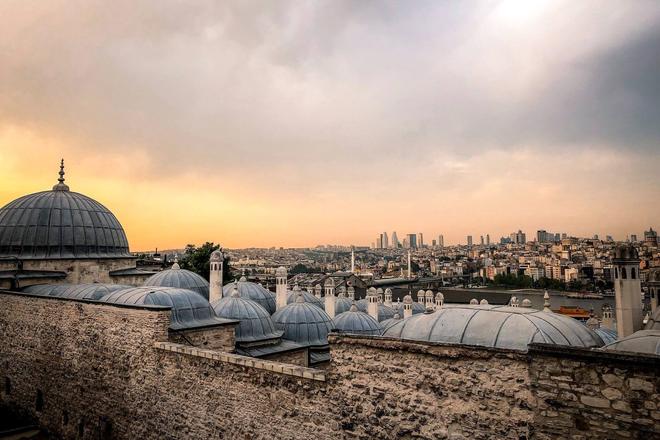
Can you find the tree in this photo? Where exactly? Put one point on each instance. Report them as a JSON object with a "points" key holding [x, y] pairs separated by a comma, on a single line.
{"points": [[196, 259]]}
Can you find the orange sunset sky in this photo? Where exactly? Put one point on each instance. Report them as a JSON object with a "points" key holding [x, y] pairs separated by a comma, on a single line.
{"points": [[305, 123]]}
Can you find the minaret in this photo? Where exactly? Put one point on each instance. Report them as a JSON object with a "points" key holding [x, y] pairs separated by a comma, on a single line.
{"points": [[372, 303], [352, 261], [627, 291], [280, 288], [546, 302], [388, 297], [409, 266], [330, 299], [215, 275], [407, 306]]}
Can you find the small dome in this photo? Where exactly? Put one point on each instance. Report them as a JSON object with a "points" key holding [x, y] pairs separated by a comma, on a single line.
{"points": [[407, 299], [642, 341], [526, 303], [494, 326], [429, 294], [385, 312], [483, 302], [255, 322], [180, 278], [280, 271], [342, 305], [304, 323], [307, 297], [356, 322], [474, 301], [388, 291], [189, 309], [388, 322], [216, 256], [654, 321], [91, 291], [253, 291], [608, 336]]}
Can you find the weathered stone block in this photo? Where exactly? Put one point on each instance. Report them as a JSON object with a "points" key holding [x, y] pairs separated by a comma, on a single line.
{"points": [[596, 402]]}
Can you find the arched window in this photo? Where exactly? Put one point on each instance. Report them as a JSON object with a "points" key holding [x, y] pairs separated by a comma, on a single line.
{"points": [[624, 275], [632, 273]]}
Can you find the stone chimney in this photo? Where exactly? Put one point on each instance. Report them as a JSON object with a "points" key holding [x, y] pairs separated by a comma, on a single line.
{"points": [[372, 303], [330, 299], [627, 290], [281, 287], [216, 263]]}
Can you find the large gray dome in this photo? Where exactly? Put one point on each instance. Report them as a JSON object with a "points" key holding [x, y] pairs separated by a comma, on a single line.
{"points": [[343, 305], [253, 291], [654, 321], [255, 322], [92, 291], [189, 309], [307, 297], [304, 323], [494, 326], [60, 224], [181, 278], [356, 322]]}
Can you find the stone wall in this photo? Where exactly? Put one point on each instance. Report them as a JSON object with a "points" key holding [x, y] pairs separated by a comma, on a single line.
{"points": [[594, 394], [221, 338], [92, 370]]}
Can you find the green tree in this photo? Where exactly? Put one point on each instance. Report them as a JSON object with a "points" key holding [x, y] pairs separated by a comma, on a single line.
{"points": [[196, 259]]}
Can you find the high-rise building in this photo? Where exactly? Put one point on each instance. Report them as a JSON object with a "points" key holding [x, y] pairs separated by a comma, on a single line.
{"points": [[395, 240], [487, 239], [441, 240], [482, 240], [651, 237], [469, 240], [420, 240], [412, 241], [518, 237], [386, 243], [406, 243], [633, 238], [434, 243]]}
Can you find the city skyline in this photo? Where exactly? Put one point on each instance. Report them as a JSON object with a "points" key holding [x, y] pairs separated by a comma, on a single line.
{"points": [[289, 125]]}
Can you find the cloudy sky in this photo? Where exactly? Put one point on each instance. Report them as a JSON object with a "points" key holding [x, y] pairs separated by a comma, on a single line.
{"points": [[309, 122]]}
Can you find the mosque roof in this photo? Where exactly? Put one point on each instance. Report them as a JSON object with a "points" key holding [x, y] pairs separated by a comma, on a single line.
{"points": [[92, 291], [356, 322], [181, 278], [494, 326], [255, 322], [60, 224], [642, 341], [303, 322], [189, 309], [262, 296]]}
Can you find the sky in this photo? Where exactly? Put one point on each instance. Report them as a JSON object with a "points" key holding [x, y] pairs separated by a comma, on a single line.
{"points": [[251, 123]]}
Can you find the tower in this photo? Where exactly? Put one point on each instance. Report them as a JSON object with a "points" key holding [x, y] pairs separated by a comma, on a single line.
{"points": [[653, 282], [409, 271], [607, 321], [421, 297], [627, 290], [280, 287], [388, 297], [352, 261], [407, 306], [216, 262], [372, 303], [330, 299]]}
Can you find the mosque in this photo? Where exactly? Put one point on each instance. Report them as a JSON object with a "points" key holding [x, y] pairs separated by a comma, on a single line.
{"points": [[63, 245]]}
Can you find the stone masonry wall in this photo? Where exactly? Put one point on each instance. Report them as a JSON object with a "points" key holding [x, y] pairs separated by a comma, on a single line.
{"points": [[217, 338], [91, 370], [586, 394]]}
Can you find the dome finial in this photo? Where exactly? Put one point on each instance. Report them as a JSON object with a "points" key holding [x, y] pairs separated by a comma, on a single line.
{"points": [[61, 186]]}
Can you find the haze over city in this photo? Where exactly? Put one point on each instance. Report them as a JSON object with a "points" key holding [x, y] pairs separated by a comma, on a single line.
{"points": [[297, 124]]}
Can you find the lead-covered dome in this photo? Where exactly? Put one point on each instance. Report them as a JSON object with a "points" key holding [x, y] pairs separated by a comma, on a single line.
{"points": [[92, 291], [642, 341], [303, 322], [253, 291], [356, 322], [60, 224], [255, 322], [181, 278], [189, 309], [307, 297], [494, 326]]}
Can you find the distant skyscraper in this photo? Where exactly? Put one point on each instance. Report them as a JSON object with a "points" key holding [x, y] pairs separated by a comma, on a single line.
{"points": [[633, 238], [412, 241], [441, 240], [395, 240], [386, 242], [482, 242], [469, 240], [518, 237], [487, 239], [434, 242], [420, 240]]}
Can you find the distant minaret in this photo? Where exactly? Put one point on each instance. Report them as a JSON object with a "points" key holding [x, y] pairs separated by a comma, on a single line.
{"points": [[280, 287], [215, 275], [352, 261], [372, 303], [627, 291], [409, 266], [330, 299]]}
